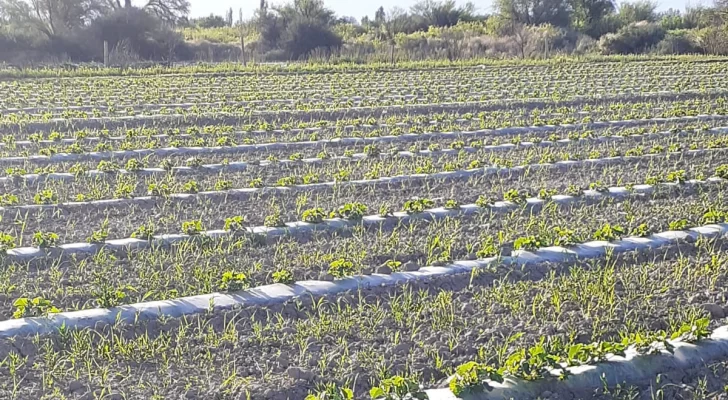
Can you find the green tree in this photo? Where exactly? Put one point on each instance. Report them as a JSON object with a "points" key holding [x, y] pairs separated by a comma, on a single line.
{"points": [[442, 13], [534, 12]]}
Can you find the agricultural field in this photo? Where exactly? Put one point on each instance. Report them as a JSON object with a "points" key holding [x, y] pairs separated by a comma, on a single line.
{"points": [[552, 231]]}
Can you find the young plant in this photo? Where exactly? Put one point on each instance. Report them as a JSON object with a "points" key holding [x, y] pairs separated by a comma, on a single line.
{"points": [[45, 239], [144, 231], [283, 276], [415, 206], [483, 201], [398, 388], [341, 268], [235, 224], [46, 196], [352, 211], [515, 196], [608, 232], [314, 215], [233, 281], [36, 307], [193, 227], [472, 378], [452, 205], [274, 220], [221, 185], [332, 392]]}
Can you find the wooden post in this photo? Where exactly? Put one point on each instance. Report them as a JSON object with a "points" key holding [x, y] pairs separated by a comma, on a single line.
{"points": [[242, 39], [106, 53]]}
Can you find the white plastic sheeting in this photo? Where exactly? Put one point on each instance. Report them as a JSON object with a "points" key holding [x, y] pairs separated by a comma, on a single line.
{"points": [[320, 144], [279, 293], [300, 227], [633, 368], [448, 176]]}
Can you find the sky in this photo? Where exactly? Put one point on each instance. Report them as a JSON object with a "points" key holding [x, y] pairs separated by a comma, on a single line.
{"points": [[358, 9]]}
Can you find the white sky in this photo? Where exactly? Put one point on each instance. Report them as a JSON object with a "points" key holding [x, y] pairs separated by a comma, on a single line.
{"points": [[358, 9]]}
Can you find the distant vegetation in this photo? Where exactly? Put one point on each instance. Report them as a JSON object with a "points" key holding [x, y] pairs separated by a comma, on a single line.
{"points": [[160, 31]]}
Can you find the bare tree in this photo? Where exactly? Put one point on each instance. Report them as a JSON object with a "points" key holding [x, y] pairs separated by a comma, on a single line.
{"points": [[51, 17], [169, 11]]}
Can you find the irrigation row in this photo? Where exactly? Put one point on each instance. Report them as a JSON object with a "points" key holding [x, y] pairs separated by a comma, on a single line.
{"points": [[280, 293], [350, 112], [388, 139], [631, 368], [447, 176], [532, 205]]}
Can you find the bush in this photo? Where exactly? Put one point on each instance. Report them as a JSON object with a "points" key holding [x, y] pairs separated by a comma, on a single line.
{"points": [[139, 33], [632, 39], [678, 42], [301, 37]]}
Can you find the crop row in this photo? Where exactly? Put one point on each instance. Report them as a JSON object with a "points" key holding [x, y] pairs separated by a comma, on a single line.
{"points": [[76, 220], [658, 76], [223, 260], [224, 113], [357, 340]]}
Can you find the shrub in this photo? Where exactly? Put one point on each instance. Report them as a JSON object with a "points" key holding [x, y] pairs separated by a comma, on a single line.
{"points": [[632, 39], [678, 42], [303, 36]]}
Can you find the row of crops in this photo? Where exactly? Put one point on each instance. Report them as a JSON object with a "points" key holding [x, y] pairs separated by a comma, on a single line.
{"points": [[472, 232]]}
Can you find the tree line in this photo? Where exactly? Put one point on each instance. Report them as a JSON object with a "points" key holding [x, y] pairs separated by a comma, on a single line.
{"points": [[75, 30]]}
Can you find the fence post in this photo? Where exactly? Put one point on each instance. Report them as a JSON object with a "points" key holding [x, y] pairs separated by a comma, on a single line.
{"points": [[106, 53], [242, 39]]}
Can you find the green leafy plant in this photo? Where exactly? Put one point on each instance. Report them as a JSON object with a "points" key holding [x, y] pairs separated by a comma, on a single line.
{"points": [[642, 230], [283, 276], [515, 196], [677, 176], [107, 167], [274, 220], [608, 232], [372, 150], [565, 237], [529, 243], [144, 231], [159, 189], [235, 224], [256, 183], [418, 205], [483, 201], [678, 225], [193, 227], [99, 236], [452, 204], [45, 239], [221, 185], [46, 196], [332, 392], [36, 307], [714, 217], [8, 199], [352, 211], [398, 388], [546, 194], [233, 281], [314, 215], [488, 248], [722, 171], [599, 187], [133, 165], [341, 268], [472, 377], [191, 187]]}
